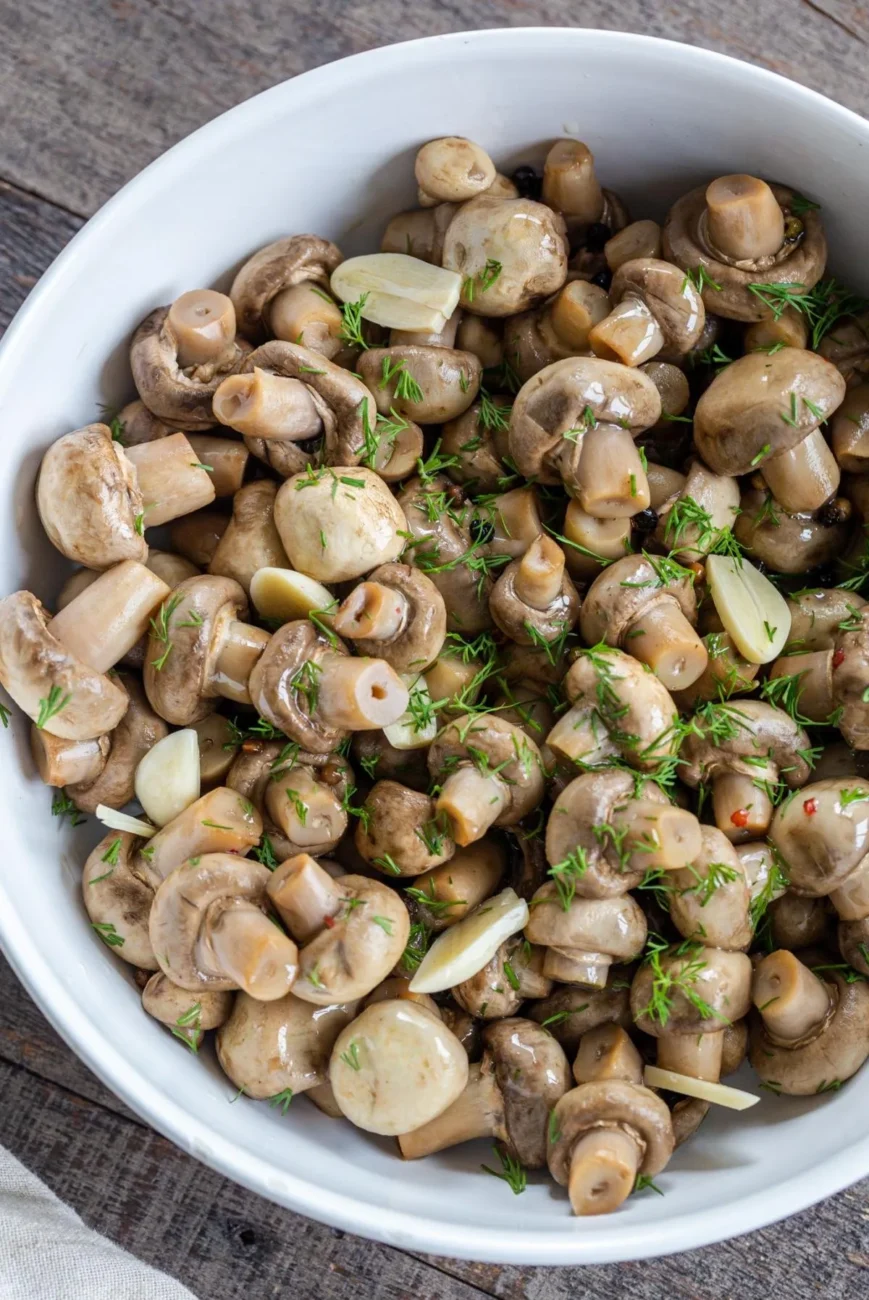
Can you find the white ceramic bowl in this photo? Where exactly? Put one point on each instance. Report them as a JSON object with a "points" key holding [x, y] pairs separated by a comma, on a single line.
{"points": [[332, 152]]}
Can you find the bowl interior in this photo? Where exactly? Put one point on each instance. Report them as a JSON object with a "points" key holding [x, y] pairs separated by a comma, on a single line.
{"points": [[332, 152]]}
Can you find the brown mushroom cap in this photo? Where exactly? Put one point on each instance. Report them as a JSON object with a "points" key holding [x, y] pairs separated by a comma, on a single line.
{"points": [[853, 939], [392, 835], [138, 731], [590, 928], [830, 1056], [448, 380], [283, 704], [139, 425], [797, 922], [823, 834], [251, 540], [188, 1018], [721, 980], [505, 748], [850, 676], [296, 259], [668, 294], [421, 635], [711, 897], [785, 542], [526, 623], [532, 1074], [446, 540], [740, 421], [268, 1048], [847, 347], [800, 264], [614, 1104], [89, 500], [381, 760], [42, 676], [626, 590], [528, 241], [250, 773], [353, 509], [117, 901], [180, 398], [513, 974], [760, 730], [571, 1011]]}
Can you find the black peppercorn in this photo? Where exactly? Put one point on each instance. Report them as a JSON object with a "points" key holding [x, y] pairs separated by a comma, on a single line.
{"points": [[596, 236], [527, 182], [837, 511], [603, 279], [646, 521], [482, 530]]}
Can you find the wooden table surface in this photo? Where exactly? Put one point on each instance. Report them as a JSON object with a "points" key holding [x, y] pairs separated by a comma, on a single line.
{"points": [[91, 91]]}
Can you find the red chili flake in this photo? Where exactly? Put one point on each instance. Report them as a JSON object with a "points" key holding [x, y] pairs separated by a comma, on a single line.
{"points": [[740, 817], [250, 747], [329, 922], [838, 658], [810, 807]]}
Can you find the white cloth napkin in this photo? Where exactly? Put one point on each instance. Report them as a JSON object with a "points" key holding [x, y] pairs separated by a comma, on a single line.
{"points": [[47, 1253]]}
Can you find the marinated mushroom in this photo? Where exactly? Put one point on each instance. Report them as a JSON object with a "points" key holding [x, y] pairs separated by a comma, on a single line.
{"points": [[533, 599], [251, 541], [786, 542], [654, 307], [491, 774], [711, 898], [220, 822], [188, 1019], [452, 170], [426, 384], [823, 836], [281, 1048], [690, 989], [512, 975], [138, 731], [399, 832], [446, 893], [561, 327], [264, 287], [396, 614], [584, 938], [571, 1010], [226, 461], [118, 901], [699, 515], [196, 536], [352, 509]]}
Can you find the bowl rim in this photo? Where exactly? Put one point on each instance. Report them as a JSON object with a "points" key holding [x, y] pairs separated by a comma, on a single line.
{"points": [[395, 1227]]}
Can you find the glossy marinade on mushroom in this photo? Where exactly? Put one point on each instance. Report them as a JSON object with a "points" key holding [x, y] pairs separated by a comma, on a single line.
{"points": [[465, 669]]}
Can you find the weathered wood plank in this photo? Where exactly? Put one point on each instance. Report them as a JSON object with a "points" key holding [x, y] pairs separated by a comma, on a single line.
{"points": [[32, 233], [91, 92]]}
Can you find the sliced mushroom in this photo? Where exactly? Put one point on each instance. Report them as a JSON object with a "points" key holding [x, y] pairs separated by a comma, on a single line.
{"points": [[398, 615], [400, 834], [251, 541], [177, 368], [259, 289], [279, 1048], [117, 901], [490, 777], [350, 510]]}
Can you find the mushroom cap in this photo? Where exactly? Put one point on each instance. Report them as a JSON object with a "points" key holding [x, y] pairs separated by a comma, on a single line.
{"points": [[798, 922], [527, 239], [478, 450], [137, 732], [361, 523], [255, 767], [722, 909], [419, 641], [762, 731], [393, 828], [176, 1008], [718, 495], [762, 405], [33, 664], [350, 957], [721, 979], [669, 295], [269, 1047], [572, 1011], [584, 805], [514, 617], [343, 403], [448, 378], [848, 349], [296, 259], [627, 589], [822, 839], [786, 543], [854, 943], [850, 679], [614, 1103], [492, 994], [180, 690], [532, 1074], [280, 702], [88, 499], [505, 747], [181, 400], [184, 905], [447, 539], [615, 926], [556, 400], [139, 425], [251, 541], [801, 264], [687, 1116], [117, 901], [407, 766], [816, 615], [831, 1056]]}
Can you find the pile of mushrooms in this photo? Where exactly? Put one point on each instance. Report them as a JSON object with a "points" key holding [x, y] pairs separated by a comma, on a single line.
{"points": [[481, 752]]}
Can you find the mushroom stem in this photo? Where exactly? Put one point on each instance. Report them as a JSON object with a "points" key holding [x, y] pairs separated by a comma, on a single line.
{"points": [[572, 313], [607, 1052], [815, 672], [309, 814], [603, 1171], [304, 314], [743, 218], [576, 736], [516, 520], [171, 479], [698, 1056], [665, 484], [611, 478], [461, 884], [245, 946], [663, 639], [359, 694], [659, 836], [540, 573], [570, 185], [477, 1113], [472, 801], [240, 649], [262, 405], [741, 809], [802, 479], [304, 895], [106, 620], [789, 329], [595, 540], [203, 322], [67, 762], [574, 966], [372, 611], [791, 999], [629, 334]]}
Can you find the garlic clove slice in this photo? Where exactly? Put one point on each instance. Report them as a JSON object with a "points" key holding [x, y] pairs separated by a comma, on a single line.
{"points": [[719, 1093], [416, 728], [167, 778], [119, 821], [286, 594], [401, 292], [467, 946], [752, 611]]}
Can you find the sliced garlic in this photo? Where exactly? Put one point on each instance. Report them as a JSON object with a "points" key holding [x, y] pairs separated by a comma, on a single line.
{"points": [[752, 611], [467, 946], [406, 733], [719, 1093], [118, 821], [403, 293], [286, 594], [167, 778]]}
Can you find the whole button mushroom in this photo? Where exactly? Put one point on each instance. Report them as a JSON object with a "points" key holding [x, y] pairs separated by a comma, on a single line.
{"points": [[251, 540], [811, 1030], [188, 1017], [491, 774], [786, 542], [823, 836], [426, 384], [264, 286], [220, 822], [575, 422], [699, 515], [509, 1096], [315, 692], [446, 893], [396, 1067], [118, 901], [560, 328], [846, 347], [740, 236], [477, 443], [451, 170], [533, 599], [690, 989], [396, 614], [646, 604], [584, 936], [138, 731], [744, 750], [200, 650], [351, 510], [512, 975], [571, 1010], [301, 797], [711, 897], [399, 833], [136, 424], [352, 930], [510, 254], [210, 929], [764, 412], [655, 306], [180, 353], [797, 922], [281, 1048]]}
